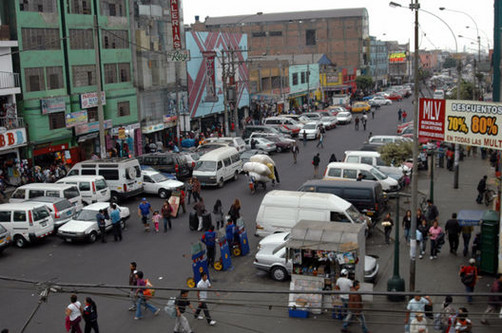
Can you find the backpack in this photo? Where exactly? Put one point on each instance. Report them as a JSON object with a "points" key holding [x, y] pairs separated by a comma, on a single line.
{"points": [[467, 279], [170, 307], [148, 292]]}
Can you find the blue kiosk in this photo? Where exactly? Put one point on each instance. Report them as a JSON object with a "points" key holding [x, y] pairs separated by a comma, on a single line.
{"points": [[225, 261], [199, 265]]}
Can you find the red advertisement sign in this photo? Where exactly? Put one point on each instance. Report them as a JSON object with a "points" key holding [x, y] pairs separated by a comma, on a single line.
{"points": [[431, 119], [175, 24], [209, 57]]}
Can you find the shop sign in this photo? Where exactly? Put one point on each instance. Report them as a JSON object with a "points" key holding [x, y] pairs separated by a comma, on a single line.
{"points": [[92, 127], [129, 129], [175, 24], [13, 138], [397, 57], [76, 118], [152, 128], [170, 119], [122, 133], [459, 121], [90, 100], [50, 105]]}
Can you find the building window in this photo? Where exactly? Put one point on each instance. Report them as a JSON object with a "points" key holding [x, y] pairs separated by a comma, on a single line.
{"points": [[35, 80], [42, 6], [54, 77], [84, 75], [113, 8], [79, 7], [110, 73], [259, 34], [40, 39], [92, 114], [57, 120], [275, 33], [303, 77], [81, 39], [123, 109], [310, 37], [295, 79], [125, 72], [115, 39]]}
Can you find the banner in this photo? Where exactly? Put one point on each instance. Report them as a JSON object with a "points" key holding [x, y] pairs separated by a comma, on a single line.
{"points": [[175, 24], [76, 118], [13, 138], [50, 105], [397, 57], [209, 57], [465, 122], [90, 100]]}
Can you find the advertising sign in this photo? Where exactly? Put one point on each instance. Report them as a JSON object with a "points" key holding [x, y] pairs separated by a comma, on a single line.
{"points": [[13, 138], [152, 128], [209, 57], [91, 127], [76, 118], [465, 122], [175, 24], [431, 119], [90, 100], [397, 57], [50, 105]]}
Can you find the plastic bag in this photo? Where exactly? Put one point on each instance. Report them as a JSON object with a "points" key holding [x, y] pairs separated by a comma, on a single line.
{"points": [[170, 307]]}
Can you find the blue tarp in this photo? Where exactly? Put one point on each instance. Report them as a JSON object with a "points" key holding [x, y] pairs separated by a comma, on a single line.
{"points": [[470, 217]]}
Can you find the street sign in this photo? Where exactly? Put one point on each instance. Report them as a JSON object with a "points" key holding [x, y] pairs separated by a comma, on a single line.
{"points": [[431, 119], [179, 55]]}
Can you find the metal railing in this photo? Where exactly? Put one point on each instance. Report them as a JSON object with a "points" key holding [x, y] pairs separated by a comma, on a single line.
{"points": [[9, 80]]}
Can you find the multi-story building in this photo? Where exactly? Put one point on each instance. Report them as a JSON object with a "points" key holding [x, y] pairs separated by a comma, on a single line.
{"points": [[341, 34], [57, 65], [161, 82], [379, 61], [400, 62]]}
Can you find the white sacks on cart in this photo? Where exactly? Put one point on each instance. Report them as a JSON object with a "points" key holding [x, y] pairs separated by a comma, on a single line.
{"points": [[260, 167]]}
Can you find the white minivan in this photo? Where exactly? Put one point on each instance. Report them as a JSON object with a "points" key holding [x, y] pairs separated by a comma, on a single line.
{"points": [[92, 188], [350, 171], [282, 210], [26, 221], [218, 166], [233, 141], [373, 158], [34, 190]]}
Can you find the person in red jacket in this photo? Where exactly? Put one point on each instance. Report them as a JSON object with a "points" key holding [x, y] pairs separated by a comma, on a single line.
{"points": [[469, 277]]}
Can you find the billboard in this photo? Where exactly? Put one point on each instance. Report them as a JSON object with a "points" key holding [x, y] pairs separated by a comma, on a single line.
{"points": [[397, 57], [465, 122]]}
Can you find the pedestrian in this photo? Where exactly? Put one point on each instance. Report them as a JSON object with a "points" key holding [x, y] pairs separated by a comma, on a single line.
{"points": [[196, 187], [469, 276], [141, 298], [144, 210], [415, 305], [462, 323], [295, 151], [453, 229], [132, 282], [449, 159], [209, 238], [424, 230], [74, 313], [332, 158], [356, 123], [343, 284], [182, 200], [235, 211], [182, 302], [166, 211], [321, 138], [116, 223], [466, 237], [189, 188], [100, 219], [230, 232], [90, 316], [355, 309], [315, 161], [447, 314], [202, 297], [405, 114], [387, 227], [218, 214], [156, 220], [419, 324], [494, 301], [481, 189], [434, 234], [432, 211], [304, 138], [399, 114], [407, 225], [372, 113], [364, 121], [200, 208]]}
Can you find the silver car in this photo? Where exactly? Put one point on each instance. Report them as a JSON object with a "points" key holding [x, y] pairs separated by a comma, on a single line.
{"points": [[61, 209]]}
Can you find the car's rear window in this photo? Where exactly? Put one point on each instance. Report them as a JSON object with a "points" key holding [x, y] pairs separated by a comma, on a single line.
{"points": [[62, 205], [71, 193], [101, 184], [109, 174], [40, 213]]}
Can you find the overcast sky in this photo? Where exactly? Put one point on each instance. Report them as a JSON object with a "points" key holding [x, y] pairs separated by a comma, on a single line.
{"points": [[386, 23]]}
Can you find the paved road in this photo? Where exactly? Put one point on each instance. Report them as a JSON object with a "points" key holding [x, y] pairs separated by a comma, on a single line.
{"points": [[165, 259]]}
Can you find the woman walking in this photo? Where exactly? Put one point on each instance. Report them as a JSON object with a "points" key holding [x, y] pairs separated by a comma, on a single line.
{"points": [[387, 227], [74, 313], [407, 225], [166, 214], [234, 211], [434, 232], [218, 214], [90, 316]]}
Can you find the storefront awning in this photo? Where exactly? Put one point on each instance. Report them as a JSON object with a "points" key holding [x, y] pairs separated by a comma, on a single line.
{"points": [[326, 236]]}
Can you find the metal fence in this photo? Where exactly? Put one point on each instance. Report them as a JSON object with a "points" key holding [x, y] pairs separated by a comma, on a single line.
{"points": [[9, 80]]}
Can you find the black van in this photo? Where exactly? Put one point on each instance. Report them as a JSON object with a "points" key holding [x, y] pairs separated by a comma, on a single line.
{"points": [[367, 197], [172, 163]]}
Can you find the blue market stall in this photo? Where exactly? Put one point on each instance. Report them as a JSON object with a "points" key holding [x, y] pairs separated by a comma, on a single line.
{"points": [[225, 261], [199, 265]]}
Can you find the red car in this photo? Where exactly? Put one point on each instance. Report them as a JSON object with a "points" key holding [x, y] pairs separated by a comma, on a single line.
{"points": [[408, 133], [395, 97], [401, 127]]}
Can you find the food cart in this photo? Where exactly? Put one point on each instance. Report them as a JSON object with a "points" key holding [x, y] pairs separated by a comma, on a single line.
{"points": [[319, 251]]}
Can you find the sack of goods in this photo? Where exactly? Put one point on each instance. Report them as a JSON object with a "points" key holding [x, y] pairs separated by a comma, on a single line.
{"points": [[260, 167], [386, 223]]}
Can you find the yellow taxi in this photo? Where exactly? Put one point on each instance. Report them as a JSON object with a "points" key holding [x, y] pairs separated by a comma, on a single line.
{"points": [[361, 107]]}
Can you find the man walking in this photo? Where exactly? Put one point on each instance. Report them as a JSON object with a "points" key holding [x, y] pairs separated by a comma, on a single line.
{"points": [[100, 219], [494, 301], [405, 114], [452, 229], [481, 189], [315, 161], [321, 138], [209, 238], [469, 276], [132, 282], [181, 324], [144, 210], [344, 284], [294, 151], [466, 236], [399, 114], [304, 138], [432, 211], [196, 189], [356, 123], [202, 297], [415, 305], [200, 208], [355, 309], [364, 120], [141, 299], [116, 225]]}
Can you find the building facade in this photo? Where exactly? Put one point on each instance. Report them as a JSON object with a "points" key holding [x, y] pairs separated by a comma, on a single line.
{"points": [[341, 34], [379, 61], [57, 65], [400, 63]]}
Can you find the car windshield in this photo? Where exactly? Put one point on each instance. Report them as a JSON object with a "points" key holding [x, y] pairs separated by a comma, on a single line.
{"points": [[343, 114], [205, 166], [87, 215], [158, 177], [378, 174], [309, 126], [355, 215]]}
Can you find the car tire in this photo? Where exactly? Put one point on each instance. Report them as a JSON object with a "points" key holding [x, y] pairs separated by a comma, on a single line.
{"points": [[278, 149], [20, 241], [221, 182], [163, 194], [122, 224], [93, 236], [279, 273], [114, 197]]}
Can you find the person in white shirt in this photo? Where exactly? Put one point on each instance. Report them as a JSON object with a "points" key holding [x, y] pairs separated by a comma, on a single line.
{"points": [[344, 284], [202, 297], [419, 324], [74, 312]]}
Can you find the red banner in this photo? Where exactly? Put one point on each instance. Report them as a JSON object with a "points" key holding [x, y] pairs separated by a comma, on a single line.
{"points": [[431, 119], [209, 57], [175, 24]]}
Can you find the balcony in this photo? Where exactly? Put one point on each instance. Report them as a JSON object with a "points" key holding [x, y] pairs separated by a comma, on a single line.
{"points": [[10, 123], [4, 32], [9, 80]]}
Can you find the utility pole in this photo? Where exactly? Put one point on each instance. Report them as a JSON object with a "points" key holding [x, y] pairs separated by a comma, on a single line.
{"points": [[457, 148], [225, 101], [233, 96], [101, 117], [178, 122]]}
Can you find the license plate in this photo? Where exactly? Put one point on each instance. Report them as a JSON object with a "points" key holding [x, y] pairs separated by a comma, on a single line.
{"points": [[43, 224], [203, 184], [68, 240], [69, 213]]}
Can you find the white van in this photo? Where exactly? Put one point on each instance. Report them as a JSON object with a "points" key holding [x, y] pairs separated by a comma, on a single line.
{"points": [[438, 94], [34, 190], [237, 142], [350, 171], [26, 221], [281, 210], [217, 166], [373, 158], [92, 188], [123, 175]]}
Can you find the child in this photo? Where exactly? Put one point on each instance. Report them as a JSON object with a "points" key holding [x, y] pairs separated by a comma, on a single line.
{"points": [[156, 220]]}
